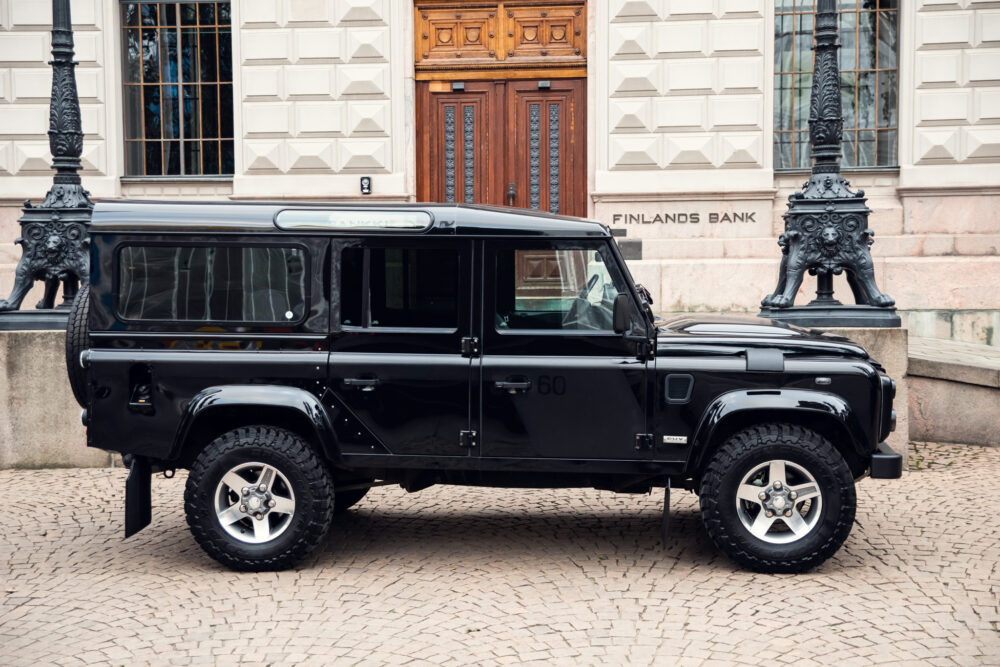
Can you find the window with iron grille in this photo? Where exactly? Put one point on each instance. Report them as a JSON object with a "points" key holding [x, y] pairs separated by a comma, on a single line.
{"points": [[177, 71], [869, 82]]}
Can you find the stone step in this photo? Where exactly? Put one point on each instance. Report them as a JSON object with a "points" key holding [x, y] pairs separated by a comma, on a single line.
{"points": [[955, 361], [739, 283], [981, 327], [922, 245], [954, 392]]}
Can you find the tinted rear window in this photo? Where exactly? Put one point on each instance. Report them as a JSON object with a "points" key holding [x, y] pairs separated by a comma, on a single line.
{"points": [[212, 283]]}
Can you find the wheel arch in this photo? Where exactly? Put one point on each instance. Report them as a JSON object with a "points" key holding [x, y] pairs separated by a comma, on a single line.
{"points": [[828, 414], [217, 410]]}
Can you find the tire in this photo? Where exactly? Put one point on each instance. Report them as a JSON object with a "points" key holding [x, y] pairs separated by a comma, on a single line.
{"points": [[802, 462], [345, 500], [298, 484], [77, 340]]}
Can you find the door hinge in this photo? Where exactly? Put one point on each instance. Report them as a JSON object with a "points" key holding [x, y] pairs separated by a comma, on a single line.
{"points": [[643, 441], [470, 346], [467, 439]]}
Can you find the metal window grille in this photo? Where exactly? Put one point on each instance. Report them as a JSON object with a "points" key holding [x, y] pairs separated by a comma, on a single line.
{"points": [[869, 82], [177, 72]]}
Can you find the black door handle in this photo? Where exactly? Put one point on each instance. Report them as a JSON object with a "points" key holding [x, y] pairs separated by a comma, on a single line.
{"points": [[364, 384], [513, 387]]}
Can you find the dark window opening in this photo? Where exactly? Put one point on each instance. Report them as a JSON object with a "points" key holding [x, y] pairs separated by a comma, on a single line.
{"points": [[407, 287], [177, 71]]}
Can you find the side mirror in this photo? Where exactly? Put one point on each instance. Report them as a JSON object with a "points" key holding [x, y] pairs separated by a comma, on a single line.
{"points": [[622, 314]]}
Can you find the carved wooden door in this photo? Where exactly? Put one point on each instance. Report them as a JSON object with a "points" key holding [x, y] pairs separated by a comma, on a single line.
{"points": [[547, 157], [459, 142], [508, 143]]}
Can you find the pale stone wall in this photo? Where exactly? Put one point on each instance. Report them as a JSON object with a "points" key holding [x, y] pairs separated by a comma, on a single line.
{"points": [[25, 86], [682, 95], [953, 62], [937, 220], [680, 108], [326, 91], [682, 140]]}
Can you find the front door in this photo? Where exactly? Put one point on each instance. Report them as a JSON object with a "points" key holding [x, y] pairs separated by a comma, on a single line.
{"points": [[557, 382], [396, 361], [506, 143]]}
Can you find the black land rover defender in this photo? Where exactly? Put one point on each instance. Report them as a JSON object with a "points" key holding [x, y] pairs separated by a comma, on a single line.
{"points": [[291, 356]]}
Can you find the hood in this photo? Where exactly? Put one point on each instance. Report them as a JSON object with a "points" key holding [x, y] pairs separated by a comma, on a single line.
{"points": [[751, 331]]}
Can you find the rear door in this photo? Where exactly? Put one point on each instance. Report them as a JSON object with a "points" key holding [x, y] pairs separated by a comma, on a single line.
{"points": [[396, 359], [557, 382]]}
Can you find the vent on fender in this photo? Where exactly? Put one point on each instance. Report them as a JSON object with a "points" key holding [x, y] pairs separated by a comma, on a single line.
{"points": [[677, 387]]}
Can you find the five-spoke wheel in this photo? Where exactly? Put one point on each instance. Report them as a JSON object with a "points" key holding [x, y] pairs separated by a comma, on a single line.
{"points": [[258, 498], [779, 502], [254, 502], [778, 498]]}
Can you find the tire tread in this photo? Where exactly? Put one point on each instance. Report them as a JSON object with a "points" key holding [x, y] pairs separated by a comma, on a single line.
{"points": [[741, 444], [77, 340], [301, 455]]}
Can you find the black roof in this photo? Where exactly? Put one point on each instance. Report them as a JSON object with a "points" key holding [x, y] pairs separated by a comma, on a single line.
{"points": [[146, 216]]}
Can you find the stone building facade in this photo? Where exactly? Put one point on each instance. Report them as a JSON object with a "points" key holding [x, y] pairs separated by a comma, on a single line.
{"points": [[675, 126]]}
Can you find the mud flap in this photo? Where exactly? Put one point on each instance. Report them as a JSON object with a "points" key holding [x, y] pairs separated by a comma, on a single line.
{"points": [[665, 519], [138, 497]]}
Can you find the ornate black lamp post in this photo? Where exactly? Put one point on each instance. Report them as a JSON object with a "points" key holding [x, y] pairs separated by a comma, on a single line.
{"points": [[55, 236], [826, 225]]}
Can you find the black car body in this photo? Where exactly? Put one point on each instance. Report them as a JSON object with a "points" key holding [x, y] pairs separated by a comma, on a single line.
{"points": [[424, 344]]}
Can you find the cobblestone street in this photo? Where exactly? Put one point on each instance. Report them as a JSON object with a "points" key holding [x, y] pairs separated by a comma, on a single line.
{"points": [[462, 575]]}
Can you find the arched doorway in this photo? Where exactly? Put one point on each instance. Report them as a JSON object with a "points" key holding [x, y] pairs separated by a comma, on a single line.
{"points": [[501, 103]]}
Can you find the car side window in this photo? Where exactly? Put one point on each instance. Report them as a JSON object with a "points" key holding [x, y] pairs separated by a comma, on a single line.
{"points": [[212, 283], [567, 289], [402, 287]]}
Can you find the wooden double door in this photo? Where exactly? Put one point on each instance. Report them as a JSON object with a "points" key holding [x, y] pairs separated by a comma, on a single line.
{"points": [[514, 143]]}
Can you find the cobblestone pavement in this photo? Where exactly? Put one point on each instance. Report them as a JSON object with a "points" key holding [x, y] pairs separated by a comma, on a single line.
{"points": [[456, 575]]}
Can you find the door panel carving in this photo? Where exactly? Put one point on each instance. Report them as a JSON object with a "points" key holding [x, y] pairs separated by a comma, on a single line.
{"points": [[447, 35], [495, 35], [545, 32]]}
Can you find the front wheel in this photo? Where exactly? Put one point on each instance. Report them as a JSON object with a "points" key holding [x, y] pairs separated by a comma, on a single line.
{"points": [[258, 498], [778, 498]]}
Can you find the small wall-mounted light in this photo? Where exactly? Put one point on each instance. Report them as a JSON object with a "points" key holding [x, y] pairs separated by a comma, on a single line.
{"points": [[457, 85], [366, 185]]}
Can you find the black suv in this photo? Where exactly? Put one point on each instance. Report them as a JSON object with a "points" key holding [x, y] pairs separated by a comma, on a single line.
{"points": [[291, 356]]}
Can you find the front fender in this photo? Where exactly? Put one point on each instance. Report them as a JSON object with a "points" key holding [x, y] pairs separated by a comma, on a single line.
{"points": [[213, 400], [768, 402]]}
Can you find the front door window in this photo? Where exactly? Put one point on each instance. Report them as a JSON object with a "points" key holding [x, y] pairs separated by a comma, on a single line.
{"points": [[565, 289]]}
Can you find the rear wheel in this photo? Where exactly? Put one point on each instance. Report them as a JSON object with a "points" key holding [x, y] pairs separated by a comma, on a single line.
{"points": [[258, 498], [778, 498]]}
